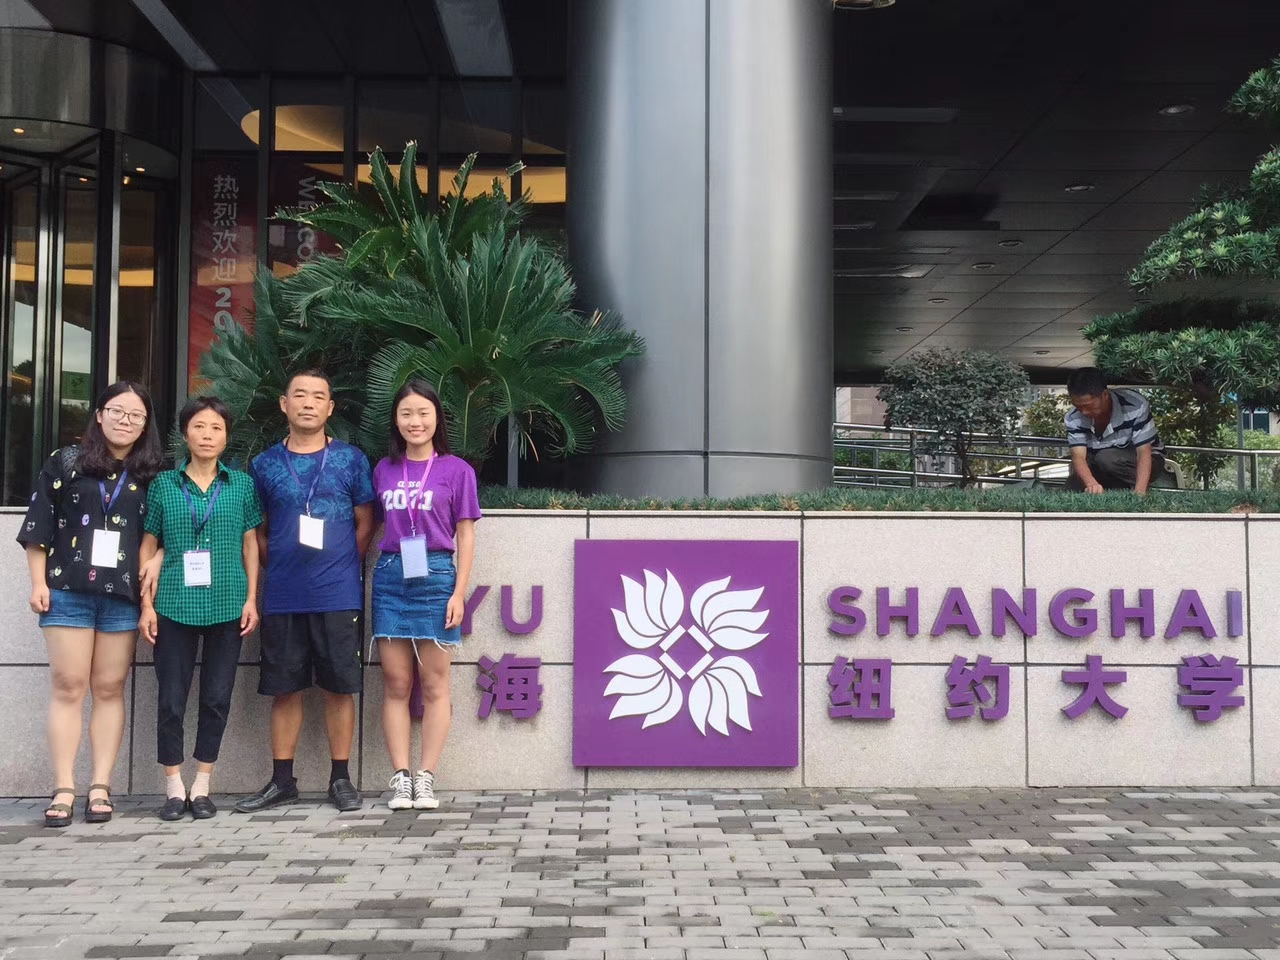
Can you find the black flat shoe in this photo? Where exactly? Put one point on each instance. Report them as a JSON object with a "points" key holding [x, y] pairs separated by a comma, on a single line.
{"points": [[344, 795], [272, 795], [202, 808], [174, 808]]}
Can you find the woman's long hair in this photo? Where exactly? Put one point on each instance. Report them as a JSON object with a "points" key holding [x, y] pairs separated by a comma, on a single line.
{"points": [[417, 387], [147, 455]]}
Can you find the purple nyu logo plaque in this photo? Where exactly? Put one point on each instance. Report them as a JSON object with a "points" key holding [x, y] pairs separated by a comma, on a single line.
{"points": [[686, 653]]}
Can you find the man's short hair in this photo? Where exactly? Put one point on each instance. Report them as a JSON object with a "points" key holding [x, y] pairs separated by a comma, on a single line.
{"points": [[314, 372], [1086, 382]]}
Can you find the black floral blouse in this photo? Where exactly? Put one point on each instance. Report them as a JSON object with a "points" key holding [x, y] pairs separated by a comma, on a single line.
{"points": [[65, 510]]}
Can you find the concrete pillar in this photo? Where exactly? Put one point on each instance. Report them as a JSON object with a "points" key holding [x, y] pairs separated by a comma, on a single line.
{"points": [[700, 209]]}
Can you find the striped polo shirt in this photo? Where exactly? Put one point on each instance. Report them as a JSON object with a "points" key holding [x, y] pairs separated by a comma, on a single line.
{"points": [[1131, 425]]}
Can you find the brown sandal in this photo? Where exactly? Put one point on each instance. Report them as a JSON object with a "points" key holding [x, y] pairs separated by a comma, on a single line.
{"points": [[63, 819], [98, 816]]}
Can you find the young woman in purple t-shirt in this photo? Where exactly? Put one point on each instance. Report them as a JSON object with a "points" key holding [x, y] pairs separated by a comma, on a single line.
{"points": [[428, 499]]}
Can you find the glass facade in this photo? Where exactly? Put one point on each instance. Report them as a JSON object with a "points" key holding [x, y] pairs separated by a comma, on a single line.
{"points": [[124, 256]]}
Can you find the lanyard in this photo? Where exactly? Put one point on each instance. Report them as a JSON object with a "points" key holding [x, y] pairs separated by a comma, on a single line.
{"points": [[198, 526], [413, 508], [109, 502], [288, 462]]}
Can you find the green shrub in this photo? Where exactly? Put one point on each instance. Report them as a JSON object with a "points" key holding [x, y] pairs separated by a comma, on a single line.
{"points": [[849, 499]]}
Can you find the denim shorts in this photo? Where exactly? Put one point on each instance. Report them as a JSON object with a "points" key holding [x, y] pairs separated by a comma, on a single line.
{"points": [[90, 611], [414, 609]]}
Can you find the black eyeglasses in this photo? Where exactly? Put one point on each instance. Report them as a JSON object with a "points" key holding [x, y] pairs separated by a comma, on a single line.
{"points": [[121, 415]]}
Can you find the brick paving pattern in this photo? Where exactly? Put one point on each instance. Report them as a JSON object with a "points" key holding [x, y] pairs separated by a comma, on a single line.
{"points": [[679, 875]]}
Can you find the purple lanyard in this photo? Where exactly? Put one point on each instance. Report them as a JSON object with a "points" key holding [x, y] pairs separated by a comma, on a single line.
{"points": [[288, 462], [198, 526], [412, 508], [109, 502]]}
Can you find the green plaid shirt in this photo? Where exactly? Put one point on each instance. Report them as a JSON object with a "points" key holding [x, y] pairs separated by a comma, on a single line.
{"points": [[169, 518]]}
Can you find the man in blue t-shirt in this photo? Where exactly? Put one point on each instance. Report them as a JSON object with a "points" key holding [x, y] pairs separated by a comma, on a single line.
{"points": [[317, 495]]}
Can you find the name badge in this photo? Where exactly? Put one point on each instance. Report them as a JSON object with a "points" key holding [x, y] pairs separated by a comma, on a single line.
{"points": [[413, 557], [311, 532], [106, 549], [197, 568]]}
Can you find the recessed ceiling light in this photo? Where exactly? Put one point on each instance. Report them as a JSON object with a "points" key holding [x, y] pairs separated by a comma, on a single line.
{"points": [[1010, 244], [1176, 109], [1042, 353], [983, 265], [19, 131], [938, 300], [125, 181], [84, 179], [1080, 187], [905, 329], [140, 169]]}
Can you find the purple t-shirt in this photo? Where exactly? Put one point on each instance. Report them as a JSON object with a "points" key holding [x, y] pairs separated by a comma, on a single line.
{"points": [[452, 487]]}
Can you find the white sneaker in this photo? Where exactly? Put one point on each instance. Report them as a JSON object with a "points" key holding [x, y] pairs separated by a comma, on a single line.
{"points": [[424, 795], [401, 791]]}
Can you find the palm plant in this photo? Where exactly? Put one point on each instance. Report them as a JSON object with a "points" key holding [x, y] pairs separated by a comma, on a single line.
{"points": [[250, 371], [461, 298]]}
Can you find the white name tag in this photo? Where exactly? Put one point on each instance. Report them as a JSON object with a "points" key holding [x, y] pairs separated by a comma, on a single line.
{"points": [[197, 568], [311, 532], [106, 549], [413, 557]]}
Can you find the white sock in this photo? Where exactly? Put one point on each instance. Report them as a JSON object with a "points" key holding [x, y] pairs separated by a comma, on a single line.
{"points": [[200, 785], [173, 787]]}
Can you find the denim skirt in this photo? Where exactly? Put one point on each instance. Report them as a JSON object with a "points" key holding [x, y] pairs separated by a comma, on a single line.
{"points": [[414, 609]]}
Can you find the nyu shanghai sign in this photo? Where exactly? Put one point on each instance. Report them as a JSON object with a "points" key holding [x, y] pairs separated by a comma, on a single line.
{"points": [[686, 653]]}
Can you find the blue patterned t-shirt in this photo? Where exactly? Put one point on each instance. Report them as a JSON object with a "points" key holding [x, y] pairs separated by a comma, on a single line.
{"points": [[302, 579]]}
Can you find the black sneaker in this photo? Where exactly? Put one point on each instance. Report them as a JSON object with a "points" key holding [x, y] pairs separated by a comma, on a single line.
{"points": [[344, 795], [272, 795]]}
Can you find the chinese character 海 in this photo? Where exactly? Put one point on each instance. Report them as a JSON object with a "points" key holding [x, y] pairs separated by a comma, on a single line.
{"points": [[967, 688], [1095, 679], [860, 689], [1210, 683], [510, 686]]}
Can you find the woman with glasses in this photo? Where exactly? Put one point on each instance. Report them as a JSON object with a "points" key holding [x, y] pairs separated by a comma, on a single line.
{"points": [[82, 534], [205, 516]]}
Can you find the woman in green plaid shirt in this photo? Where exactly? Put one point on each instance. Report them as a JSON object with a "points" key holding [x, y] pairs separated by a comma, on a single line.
{"points": [[204, 516]]}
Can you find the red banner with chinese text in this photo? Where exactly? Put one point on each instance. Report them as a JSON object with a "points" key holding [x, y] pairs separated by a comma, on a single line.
{"points": [[224, 251]]}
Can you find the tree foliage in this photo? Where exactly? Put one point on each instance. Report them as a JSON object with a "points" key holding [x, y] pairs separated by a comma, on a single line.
{"points": [[1211, 346], [1214, 347], [1184, 419], [250, 371], [957, 393], [1236, 232], [458, 297]]}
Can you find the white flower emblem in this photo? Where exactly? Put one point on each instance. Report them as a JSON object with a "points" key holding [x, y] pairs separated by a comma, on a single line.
{"points": [[722, 618]]}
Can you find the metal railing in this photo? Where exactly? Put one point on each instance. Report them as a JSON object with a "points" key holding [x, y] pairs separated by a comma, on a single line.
{"points": [[882, 456]]}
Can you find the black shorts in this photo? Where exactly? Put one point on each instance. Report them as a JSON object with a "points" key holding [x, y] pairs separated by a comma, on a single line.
{"points": [[297, 647]]}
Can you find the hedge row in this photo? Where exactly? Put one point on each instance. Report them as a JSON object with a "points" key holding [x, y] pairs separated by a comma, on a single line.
{"points": [[921, 500]]}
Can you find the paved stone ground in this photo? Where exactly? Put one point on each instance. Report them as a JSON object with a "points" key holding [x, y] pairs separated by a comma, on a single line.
{"points": [[682, 875]]}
